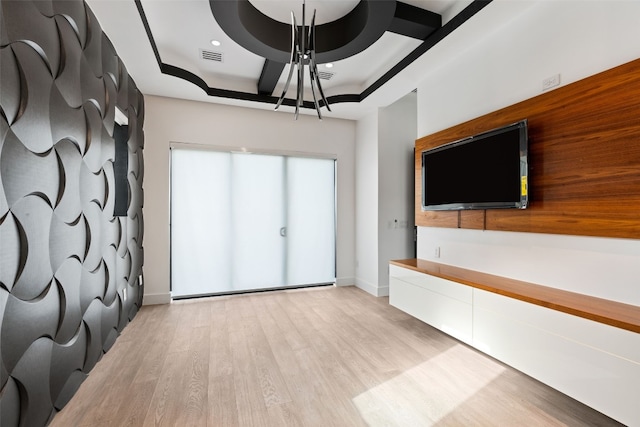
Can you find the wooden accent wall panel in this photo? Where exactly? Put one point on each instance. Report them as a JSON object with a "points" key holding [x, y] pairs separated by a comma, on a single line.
{"points": [[584, 160]]}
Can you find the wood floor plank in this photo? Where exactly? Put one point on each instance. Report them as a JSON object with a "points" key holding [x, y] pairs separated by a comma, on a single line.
{"points": [[272, 384], [314, 357], [250, 403], [123, 368], [222, 408], [167, 398], [192, 400]]}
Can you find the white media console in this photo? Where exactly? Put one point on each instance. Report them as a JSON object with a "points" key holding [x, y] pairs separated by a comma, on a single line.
{"points": [[585, 347]]}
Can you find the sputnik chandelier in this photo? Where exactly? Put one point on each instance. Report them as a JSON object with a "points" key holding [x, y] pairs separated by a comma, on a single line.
{"points": [[303, 52]]}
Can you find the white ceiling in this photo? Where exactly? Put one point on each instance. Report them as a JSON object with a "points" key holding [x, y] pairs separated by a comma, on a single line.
{"points": [[181, 28]]}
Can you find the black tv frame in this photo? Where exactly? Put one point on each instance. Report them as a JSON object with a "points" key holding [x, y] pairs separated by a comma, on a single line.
{"points": [[523, 199]]}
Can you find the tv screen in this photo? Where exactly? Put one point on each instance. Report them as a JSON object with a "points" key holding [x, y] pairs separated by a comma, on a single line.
{"points": [[484, 171]]}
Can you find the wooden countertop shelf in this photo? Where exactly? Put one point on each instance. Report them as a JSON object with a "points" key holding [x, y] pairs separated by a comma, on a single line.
{"points": [[620, 315]]}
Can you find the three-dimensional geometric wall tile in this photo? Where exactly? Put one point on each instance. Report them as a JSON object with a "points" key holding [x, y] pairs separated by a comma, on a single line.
{"points": [[66, 123], [93, 216], [93, 48], [69, 269], [10, 254], [92, 319], [92, 156], [41, 33], [66, 241], [10, 404], [93, 286], [33, 215], [68, 208], [66, 367], [111, 90], [75, 13], [32, 375], [24, 322], [4, 372], [68, 79], [112, 191], [68, 279], [33, 126], [109, 256], [17, 164], [10, 88], [110, 316]]}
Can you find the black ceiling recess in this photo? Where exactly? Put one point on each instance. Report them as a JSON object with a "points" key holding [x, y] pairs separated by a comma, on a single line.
{"points": [[336, 40]]}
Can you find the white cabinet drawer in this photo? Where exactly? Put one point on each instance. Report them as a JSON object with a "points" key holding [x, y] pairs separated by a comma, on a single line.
{"points": [[573, 355], [450, 315], [434, 284]]}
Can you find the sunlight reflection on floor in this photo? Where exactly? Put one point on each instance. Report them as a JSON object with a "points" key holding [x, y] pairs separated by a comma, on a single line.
{"points": [[426, 393]]}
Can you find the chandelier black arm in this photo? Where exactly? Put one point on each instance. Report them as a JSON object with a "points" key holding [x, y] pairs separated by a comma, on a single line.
{"points": [[324, 99], [312, 50], [299, 89], [301, 58], [313, 91], [292, 58], [313, 66]]}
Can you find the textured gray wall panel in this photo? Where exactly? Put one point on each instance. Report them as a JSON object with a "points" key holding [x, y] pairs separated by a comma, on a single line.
{"points": [[17, 164], [10, 404], [10, 89], [32, 375], [93, 285], [69, 207], [69, 269], [25, 322], [68, 81], [10, 258], [40, 33], [68, 280], [33, 127], [33, 215]]}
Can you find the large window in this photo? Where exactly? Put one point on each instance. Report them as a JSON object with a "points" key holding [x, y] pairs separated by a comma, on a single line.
{"points": [[250, 221]]}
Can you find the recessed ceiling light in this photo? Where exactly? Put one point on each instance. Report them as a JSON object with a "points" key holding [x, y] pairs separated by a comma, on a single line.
{"points": [[328, 65], [215, 42]]}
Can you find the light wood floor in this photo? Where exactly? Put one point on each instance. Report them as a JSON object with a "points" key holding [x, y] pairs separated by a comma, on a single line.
{"points": [[314, 357]]}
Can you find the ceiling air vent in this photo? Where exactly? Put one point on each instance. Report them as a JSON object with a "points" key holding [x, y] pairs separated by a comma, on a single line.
{"points": [[325, 75], [210, 55]]}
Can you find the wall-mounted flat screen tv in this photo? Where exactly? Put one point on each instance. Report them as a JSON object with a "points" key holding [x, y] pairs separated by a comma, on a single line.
{"points": [[484, 171]]}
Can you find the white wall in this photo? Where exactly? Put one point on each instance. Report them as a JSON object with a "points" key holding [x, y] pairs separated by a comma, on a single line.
{"points": [[397, 133], [367, 203], [171, 120], [384, 192], [506, 65]]}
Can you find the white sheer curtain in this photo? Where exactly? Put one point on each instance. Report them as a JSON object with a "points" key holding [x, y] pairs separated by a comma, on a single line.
{"points": [[258, 215], [311, 220], [250, 221], [200, 218]]}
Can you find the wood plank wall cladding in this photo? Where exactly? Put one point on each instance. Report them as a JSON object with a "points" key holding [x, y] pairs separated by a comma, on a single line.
{"points": [[584, 160], [69, 269]]}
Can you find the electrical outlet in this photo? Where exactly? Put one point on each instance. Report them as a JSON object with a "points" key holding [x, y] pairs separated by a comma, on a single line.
{"points": [[436, 253], [550, 82]]}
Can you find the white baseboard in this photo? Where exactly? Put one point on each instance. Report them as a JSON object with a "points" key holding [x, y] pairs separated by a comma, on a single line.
{"points": [[372, 289], [155, 299], [345, 281]]}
